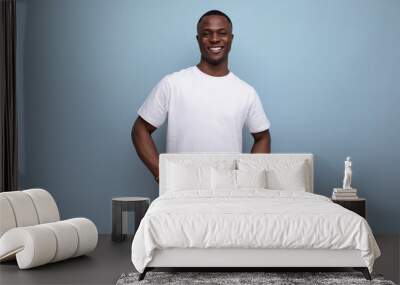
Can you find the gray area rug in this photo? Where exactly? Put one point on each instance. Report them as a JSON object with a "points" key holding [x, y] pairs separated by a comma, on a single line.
{"points": [[225, 278]]}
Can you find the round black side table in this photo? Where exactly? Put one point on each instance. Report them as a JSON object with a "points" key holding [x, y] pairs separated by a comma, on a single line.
{"points": [[138, 205]]}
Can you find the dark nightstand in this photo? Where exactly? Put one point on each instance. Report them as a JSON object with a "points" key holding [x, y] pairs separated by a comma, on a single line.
{"points": [[357, 206], [121, 206]]}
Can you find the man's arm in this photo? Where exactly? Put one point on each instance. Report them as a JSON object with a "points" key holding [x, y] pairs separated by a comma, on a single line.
{"points": [[144, 144], [262, 142]]}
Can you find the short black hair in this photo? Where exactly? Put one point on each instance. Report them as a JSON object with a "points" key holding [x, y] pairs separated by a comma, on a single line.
{"points": [[214, 12]]}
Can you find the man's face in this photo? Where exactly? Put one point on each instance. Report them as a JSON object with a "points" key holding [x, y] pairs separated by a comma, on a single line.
{"points": [[214, 35]]}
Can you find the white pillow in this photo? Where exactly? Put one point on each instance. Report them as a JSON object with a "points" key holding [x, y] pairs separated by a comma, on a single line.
{"points": [[189, 174], [289, 179], [187, 177], [236, 179], [251, 178], [223, 179], [282, 174]]}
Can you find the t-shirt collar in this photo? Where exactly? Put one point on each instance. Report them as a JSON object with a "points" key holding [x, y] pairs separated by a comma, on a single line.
{"points": [[201, 73]]}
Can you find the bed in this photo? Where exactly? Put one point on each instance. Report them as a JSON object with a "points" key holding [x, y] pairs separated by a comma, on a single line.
{"points": [[247, 210]]}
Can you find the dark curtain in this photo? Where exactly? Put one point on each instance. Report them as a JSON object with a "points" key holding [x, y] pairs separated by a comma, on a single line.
{"points": [[8, 116]]}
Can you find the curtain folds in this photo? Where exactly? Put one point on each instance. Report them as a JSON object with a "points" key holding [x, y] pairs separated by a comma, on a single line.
{"points": [[8, 115]]}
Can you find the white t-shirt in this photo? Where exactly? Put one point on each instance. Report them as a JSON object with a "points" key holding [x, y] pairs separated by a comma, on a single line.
{"points": [[205, 113]]}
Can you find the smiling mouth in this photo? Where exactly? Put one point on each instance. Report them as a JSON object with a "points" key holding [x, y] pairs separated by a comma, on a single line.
{"points": [[215, 50]]}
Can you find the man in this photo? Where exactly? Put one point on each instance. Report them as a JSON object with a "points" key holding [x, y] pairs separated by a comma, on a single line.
{"points": [[207, 105]]}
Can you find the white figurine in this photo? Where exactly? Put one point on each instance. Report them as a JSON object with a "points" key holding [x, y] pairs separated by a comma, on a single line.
{"points": [[347, 174]]}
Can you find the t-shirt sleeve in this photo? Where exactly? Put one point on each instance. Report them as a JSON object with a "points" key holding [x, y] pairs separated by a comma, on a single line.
{"points": [[155, 108], [256, 120]]}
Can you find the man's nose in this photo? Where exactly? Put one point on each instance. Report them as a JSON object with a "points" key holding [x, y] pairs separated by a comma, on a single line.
{"points": [[214, 37]]}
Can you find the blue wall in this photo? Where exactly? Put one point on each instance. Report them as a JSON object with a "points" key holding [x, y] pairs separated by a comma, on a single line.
{"points": [[328, 74]]}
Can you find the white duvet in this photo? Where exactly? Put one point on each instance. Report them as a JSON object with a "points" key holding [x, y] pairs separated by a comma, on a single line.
{"points": [[250, 218]]}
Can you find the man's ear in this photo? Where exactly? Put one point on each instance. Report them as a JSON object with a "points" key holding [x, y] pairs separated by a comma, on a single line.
{"points": [[232, 36]]}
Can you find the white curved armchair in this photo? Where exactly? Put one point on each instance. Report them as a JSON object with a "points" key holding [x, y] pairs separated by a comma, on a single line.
{"points": [[31, 230]]}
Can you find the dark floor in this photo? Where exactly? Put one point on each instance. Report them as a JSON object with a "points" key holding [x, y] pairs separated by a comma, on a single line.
{"points": [[110, 260], [102, 266]]}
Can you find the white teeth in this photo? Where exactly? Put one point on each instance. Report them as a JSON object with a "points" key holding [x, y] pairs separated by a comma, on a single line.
{"points": [[215, 49]]}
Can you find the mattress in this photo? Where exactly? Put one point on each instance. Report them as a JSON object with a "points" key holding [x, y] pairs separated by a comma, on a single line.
{"points": [[251, 219]]}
